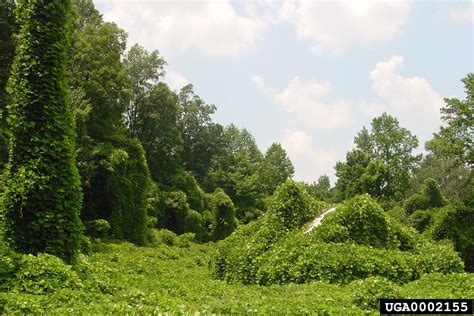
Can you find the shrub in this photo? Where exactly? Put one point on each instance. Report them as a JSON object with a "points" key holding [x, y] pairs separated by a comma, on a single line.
{"points": [[98, 228], [368, 292], [44, 274], [185, 240], [164, 236], [43, 196]]}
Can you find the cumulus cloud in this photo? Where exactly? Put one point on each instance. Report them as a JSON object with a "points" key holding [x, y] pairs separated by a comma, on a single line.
{"points": [[463, 14], [411, 99], [213, 27], [310, 162], [334, 25], [312, 103], [175, 80]]}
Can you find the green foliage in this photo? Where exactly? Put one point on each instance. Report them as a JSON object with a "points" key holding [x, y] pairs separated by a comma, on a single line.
{"points": [[455, 140], [322, 189], [176, 210], [96, 69], [356, 241], [9, 264], [224, 222], [275, 169], [299, 259], [143, 69], [381, 163], [419, 220], [292, 206], [430, 197], [43, 197], [159, 133], [184, 181], [44, 274], [125, 279], [166, 237], [237, 258], [7, 52], [118, 190], [455, 223], [360, 220], [455, 180], [436, 285], [98, 228], [193, 223], [368, 292]]}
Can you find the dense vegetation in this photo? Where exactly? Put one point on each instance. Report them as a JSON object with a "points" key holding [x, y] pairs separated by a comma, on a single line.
{"points": [[121, 195], [172, 275]]}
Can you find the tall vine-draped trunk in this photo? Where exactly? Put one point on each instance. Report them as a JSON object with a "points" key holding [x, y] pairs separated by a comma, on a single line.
{"points": [[43, 196]]}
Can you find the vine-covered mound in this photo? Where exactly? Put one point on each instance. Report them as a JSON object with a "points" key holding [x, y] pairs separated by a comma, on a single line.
{"points": [[357, 241]]}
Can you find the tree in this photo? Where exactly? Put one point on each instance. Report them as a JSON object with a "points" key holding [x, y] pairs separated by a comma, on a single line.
{"points": [[43, 196], [456, 140], [95, 67], [382, 162], [159, 133], [143, 69], [275, 168], [200, 135]]}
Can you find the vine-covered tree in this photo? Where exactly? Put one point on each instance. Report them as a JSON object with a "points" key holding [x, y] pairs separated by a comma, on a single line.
{"points": [[224, 215], [7, 50], [43, 197]]}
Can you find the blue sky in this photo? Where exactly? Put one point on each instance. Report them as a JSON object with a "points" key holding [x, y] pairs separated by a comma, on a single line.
{"points": [[309, 74]]}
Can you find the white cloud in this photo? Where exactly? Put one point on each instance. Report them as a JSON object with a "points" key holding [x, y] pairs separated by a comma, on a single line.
{"points": [[258, 82], [312, 103], [310, 162], [411, 99], [334, 25], [213, 27], [175, 80], [465, 14]]}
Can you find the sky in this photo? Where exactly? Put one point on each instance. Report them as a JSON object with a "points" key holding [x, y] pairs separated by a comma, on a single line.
{"points": [[309, 74]]}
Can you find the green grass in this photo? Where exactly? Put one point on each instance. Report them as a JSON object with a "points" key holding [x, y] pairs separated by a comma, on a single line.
{"points": [[119, 278]]}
